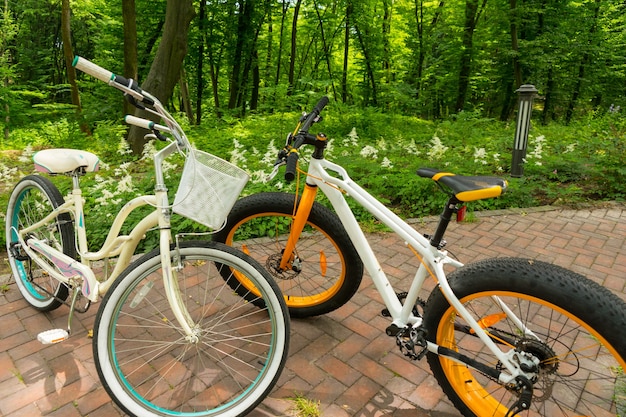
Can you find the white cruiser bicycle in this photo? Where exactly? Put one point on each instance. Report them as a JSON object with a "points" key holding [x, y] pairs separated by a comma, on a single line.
{"points": [[503, 337], [171, 337]]}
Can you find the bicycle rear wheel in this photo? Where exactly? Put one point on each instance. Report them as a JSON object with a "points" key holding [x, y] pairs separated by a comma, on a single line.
{"points": [[326, 270], [33, 198], [149, 366], [578, 335]]}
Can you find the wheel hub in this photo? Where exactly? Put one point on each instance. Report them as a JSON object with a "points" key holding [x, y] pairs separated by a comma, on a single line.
{"points": [[293, 268], [548, 366]]}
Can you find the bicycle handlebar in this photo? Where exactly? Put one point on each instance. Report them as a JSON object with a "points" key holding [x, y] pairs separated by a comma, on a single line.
{"points": [[299, 140], [310, 119], [138, 98], [108, 77], [145, 123]]}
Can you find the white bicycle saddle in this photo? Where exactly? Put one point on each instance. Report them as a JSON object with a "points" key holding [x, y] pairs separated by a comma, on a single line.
{"points": [[61, 161]]}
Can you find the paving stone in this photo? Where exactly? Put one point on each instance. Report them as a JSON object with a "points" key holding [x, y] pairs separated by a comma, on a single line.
{"points": [[344, 360]]}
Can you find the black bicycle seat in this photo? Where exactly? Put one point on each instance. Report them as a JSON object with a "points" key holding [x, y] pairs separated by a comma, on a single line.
{"points": [[467, 188]]}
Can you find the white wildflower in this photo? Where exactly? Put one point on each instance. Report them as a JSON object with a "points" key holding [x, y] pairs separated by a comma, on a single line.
{"points": [[259, 176], [7, 174], [125, 185], [27, 154], [382, 144], [570, 148], [168, 167], [386, 163], [237, 155], [123, 148], [437, 149], [148, 151], [269, 157], [352, 139], [538, 147], [369, 152], [412, 148], [480, 155], [105, 197], [349, 142]]}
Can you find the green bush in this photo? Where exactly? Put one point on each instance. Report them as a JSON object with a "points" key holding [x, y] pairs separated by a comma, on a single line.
{"points": [[564, 164]]}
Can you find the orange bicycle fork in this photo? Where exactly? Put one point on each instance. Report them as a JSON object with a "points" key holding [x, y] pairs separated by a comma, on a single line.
{"points": [[300, 217]]}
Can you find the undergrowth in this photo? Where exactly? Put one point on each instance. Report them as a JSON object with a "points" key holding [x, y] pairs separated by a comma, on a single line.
{"points": [[565, 165]]}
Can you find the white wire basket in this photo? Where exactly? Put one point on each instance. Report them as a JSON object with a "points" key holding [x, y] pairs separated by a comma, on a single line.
{"points": [[208, 189]]}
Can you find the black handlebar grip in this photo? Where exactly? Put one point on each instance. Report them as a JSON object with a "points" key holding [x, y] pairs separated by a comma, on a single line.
{"points": [[314, 113], [320, 105], [292, 163], [132, 84]]}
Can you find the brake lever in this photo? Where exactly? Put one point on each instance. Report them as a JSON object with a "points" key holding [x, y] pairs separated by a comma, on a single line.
{"points": [[277, 166]]}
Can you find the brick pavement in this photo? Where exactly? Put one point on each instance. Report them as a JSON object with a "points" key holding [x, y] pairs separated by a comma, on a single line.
{"points": [[343, 359]]}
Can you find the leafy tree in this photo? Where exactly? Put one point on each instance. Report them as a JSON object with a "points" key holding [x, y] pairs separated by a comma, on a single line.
{"points": [[166, 66]]}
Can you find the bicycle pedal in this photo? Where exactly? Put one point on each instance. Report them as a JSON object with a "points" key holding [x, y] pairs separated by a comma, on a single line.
{"points": [[53, 336]]}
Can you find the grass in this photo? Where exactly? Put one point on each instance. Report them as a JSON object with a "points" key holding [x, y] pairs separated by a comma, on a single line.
{"points": [[305, 407]]}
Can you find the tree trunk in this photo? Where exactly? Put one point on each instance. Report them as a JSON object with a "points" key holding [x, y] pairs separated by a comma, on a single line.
{"points": [[199, 68], [326, 49], [184, 94], [581, 68], [472, 14], [68, 54], [346, 55], [386, 31], [241, 55], [129, 16], [279, 59], [5, 55], [517, 69], [166, 66], [547, 103], [421, 34], [294, 38], [368, 65], [256, 81]]}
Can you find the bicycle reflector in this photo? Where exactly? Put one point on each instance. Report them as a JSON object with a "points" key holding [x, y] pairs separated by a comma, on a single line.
{"points": [[460, 213]]}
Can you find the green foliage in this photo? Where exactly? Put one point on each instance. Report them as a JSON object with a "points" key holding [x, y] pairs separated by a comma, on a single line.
{"points": [[564, 164]]}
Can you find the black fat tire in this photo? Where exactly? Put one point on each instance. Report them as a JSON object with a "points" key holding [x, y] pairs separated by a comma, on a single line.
{"points": [[150, 369], [21, 211], [589, 313], [307, 294]]}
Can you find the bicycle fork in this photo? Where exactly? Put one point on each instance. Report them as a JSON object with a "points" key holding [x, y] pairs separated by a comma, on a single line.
{"points": [[170, 281], [288, 260]]}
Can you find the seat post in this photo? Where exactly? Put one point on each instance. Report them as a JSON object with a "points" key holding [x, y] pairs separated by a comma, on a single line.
{"points": [[76, 179], [444, 220]]}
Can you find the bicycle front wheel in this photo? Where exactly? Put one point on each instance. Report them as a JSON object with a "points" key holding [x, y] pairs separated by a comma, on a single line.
{"points": [[326, 270], [151, 367], [575, 328], [33, 198]]}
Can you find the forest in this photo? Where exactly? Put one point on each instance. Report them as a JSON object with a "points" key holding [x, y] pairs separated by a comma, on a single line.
{"points": [[411, 83], [425, 58]]}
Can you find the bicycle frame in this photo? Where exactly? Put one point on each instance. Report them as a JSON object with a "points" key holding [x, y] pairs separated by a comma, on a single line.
{"points": [[432, 260], [72, 272]]}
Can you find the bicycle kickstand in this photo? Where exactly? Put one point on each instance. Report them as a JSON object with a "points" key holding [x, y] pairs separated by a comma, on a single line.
{"points": [[58, 335]]}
